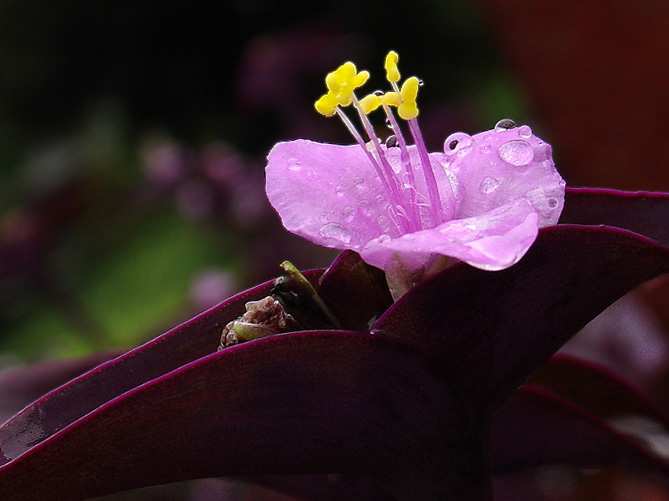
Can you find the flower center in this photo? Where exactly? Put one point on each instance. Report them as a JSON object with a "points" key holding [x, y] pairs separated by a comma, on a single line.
{"points": [[406, 172]]}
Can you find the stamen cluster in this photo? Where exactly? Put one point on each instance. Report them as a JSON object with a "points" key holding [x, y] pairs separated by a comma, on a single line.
{"points": [[410, 210]]}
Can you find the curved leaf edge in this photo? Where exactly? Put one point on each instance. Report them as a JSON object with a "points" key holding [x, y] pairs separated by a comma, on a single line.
{"points": [[637, 457]]}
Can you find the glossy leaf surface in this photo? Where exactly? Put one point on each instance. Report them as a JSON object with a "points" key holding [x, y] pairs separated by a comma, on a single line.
{"points": [[291, 403], [537, 428], [491, 331]]}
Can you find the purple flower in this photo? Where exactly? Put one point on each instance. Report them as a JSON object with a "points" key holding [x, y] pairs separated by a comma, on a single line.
{"points": [[407, 211]]}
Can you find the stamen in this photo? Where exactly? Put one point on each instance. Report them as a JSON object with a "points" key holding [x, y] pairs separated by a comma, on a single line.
{"points": [[396, 198], [344, 80], [408, 108], [392, 73], [327, 104], [408, 167], [430, 180], [405, 200], [358, 138], [370, 102]]}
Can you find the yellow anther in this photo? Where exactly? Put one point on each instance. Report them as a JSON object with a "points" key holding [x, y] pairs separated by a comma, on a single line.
{"points": [[370, 103], [392, 73], [408, 108], [326, 104], [343, 81], [392, 98]]}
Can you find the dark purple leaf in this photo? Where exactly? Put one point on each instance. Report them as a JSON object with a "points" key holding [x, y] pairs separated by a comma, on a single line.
{"points": [[596, 389], [323, 487], [355, 291], [488, 332], [645, 213], [287, 404], [535, 427], [21, 385], [187, 342]]}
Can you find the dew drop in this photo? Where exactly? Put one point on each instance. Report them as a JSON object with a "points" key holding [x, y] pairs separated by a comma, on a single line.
{"points": [[552, 203], [348, 213], [504, 124], [525, 131], [486, 147], [391, 142], [339, 190], [384, 224], [336, 231], [488, 185], [518, 153], [421, 83], [294, 164], [365, 208], [359, 182], [457, 141], [384, 238]]}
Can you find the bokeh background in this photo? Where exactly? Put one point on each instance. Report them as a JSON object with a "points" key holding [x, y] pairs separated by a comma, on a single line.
{"points": [[133, 137]]}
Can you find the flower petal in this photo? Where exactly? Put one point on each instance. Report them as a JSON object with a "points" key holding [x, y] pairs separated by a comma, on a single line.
{"points": [[496, 167], [326, 193], [491, 241]]}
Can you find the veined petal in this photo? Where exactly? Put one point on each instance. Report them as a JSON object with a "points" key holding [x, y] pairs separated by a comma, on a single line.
{"points": [[328, 193], [491, 241]]}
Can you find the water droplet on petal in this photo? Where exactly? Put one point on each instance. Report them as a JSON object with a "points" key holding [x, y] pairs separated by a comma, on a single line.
{"points": [[391, 142], [456, 142], [524, 131], [552, 203], [336, 231], [486, 147], [504, 124], [488, 185], [294, 164], [339, 190], [516, 153], [365, 208], [359, 182], [384, 238], [383, 223], [348, 213]]}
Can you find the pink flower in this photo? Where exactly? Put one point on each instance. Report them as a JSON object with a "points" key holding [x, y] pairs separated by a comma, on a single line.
{"points": [[407, 211]]}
